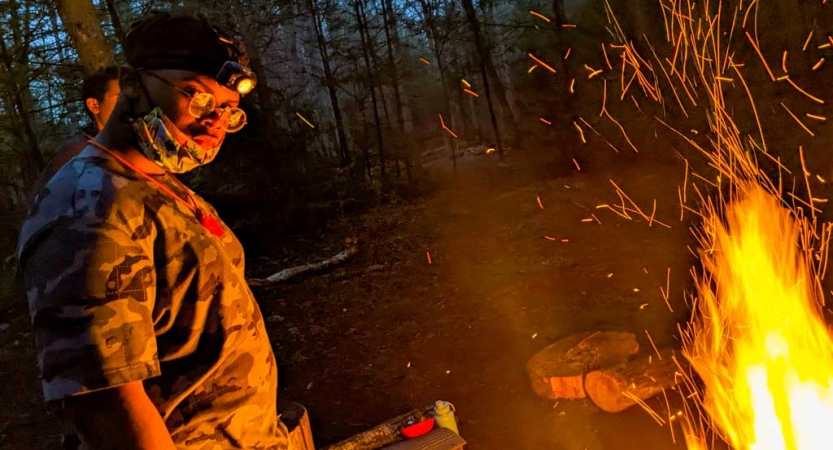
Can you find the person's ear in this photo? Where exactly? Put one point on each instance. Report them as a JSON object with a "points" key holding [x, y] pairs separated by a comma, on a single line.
{"points": [[92, 105]]}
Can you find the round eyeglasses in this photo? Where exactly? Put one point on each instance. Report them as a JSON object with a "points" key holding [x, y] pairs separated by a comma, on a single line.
{"points": [[203, 104]]}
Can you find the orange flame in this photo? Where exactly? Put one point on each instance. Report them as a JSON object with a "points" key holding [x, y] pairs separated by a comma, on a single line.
{"points": [[759, 342]]}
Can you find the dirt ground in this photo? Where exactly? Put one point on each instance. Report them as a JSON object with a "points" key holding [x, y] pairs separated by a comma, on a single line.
{"points": [[388, 331], [393, 332]]}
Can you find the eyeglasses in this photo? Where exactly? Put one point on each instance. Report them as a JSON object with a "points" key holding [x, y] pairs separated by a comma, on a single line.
{"points": [[203, 104]]}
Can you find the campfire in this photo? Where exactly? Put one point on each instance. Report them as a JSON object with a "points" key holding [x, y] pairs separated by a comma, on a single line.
{"points": [[760, 353], [758, 341]]}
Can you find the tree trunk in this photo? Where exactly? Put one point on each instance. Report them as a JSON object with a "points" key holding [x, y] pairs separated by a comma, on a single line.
{"points": [[376, 65], [450, 143], [265, 96], [80, 20], [485, 60], [431, 26], [389, 18], [562, 45], [114, 17], [559, 13], [56, 34], [372, 77], [344, 146], [17, 96], [362, 144], [468, 103], [391, 40], [498, 52]]}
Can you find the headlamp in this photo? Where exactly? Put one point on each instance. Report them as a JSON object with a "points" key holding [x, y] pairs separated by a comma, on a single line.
{"points": [[235, 73], [236, 77]]}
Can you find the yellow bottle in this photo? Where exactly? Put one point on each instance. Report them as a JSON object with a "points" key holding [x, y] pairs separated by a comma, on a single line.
{"points": [[444, 415]]}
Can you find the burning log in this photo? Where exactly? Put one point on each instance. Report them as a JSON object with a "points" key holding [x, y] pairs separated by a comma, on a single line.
{"points": [[558, 370], [619, 387], [286, 274]]}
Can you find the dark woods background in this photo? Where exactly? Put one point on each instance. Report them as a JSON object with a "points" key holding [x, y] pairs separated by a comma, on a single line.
{"points": [[353, 69]]}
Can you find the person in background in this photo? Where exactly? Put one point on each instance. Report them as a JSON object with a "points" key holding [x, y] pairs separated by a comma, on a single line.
{"points": [[99, 92], [148, 336]]}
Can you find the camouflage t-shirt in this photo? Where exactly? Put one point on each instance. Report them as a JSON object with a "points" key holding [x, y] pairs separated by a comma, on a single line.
{"points": [[125, 284]]}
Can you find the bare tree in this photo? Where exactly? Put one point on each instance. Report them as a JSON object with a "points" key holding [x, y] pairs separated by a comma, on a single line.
{"points": [[81, 22], [361, 21], [329, 77], [437, 43], [393, 47], [562, 46], [391, 41], [485, 62], [16, 93], [114, 17]]}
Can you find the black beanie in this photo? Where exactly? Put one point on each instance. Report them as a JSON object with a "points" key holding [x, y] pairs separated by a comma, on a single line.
{"points": [[160, 40]]}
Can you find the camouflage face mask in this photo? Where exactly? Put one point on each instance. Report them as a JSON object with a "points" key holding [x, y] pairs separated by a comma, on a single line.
{"points": [[168, 146]]}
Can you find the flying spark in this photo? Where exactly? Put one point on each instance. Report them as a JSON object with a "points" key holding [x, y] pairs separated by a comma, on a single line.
{"points": [[540, 63], [540, 16], [305, 120]]}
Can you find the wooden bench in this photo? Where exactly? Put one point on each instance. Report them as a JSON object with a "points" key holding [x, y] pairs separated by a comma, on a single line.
{"points": [[387, 436], [437, 439]]}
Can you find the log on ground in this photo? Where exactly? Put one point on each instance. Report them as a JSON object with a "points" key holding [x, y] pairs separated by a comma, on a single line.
{"points": [[385, 433], [617, 388], [319, 266], [558, 370]]}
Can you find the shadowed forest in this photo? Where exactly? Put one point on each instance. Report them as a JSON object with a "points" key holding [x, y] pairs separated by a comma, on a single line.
{"points": [[478, 152]]}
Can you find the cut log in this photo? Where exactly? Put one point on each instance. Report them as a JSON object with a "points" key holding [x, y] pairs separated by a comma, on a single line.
{"points": [[558, 370], [614, 389], [328, 263], [385, 433]]}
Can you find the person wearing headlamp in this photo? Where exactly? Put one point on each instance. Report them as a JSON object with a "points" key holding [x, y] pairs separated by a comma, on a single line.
{"points": [[147, 335]]}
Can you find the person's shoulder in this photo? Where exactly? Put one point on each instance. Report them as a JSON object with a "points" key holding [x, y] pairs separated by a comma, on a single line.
{"points": [[101, 185], [90, 189]]}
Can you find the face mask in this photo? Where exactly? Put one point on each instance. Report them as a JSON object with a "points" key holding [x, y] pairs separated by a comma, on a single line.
{"points": [[168, 146]]}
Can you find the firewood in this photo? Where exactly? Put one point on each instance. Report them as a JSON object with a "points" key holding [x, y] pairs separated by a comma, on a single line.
{"points": [[286, 274], [384, 433], [558, 370], [614, 389]]}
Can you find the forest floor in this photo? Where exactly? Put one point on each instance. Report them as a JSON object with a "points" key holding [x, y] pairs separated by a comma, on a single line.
{"points": [[388, 331]]}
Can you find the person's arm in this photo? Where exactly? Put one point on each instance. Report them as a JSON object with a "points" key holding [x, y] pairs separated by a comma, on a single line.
{"points": [[91, 291], [119, 418]]}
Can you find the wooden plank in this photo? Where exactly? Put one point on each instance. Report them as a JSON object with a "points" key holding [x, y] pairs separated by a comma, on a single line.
{"points": [[384, 433], [437, 439]]}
